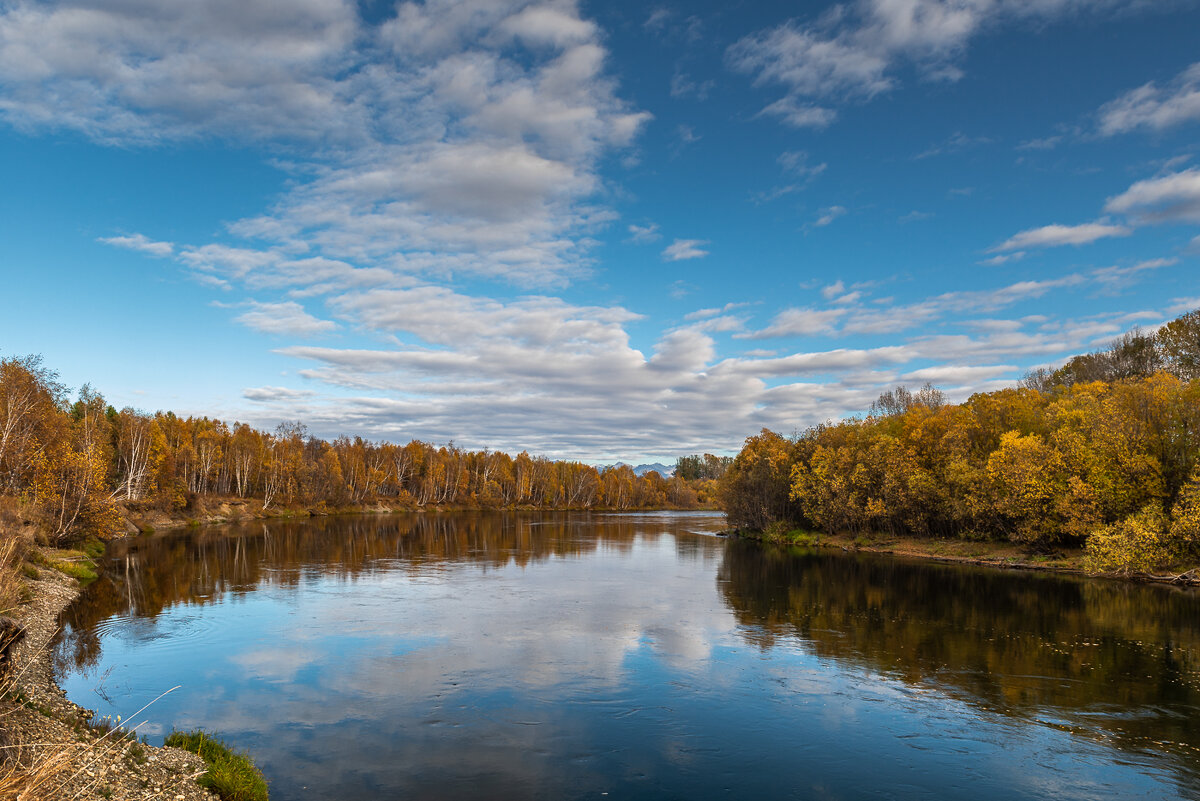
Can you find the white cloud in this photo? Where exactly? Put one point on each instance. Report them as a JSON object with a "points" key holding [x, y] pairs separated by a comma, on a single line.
{"points": [[1112, 279], [796, 162], [1168, 198], [800, 115], [466, 137], [855, 51], [702, 314], [1183, 305], [545, 25], [804, 322], [957, 374], [1153, 108], [141, 243], [828, 215], [144, 71], [273, 394], [848, 316], [682, 249], [455, 136], [539, 373], [833, 290], [1049, 236], [1002, 258], [287, 318], [644, 233]]}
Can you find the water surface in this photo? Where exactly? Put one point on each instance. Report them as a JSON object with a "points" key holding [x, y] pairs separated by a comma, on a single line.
{"points": [[557, 656]]}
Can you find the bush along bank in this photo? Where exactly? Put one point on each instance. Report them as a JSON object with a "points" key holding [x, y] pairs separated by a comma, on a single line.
{"points": [[1098, 459]]}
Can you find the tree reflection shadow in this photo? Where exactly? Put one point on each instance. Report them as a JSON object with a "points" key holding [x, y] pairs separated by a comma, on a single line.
{"points": [[1111, 660]]}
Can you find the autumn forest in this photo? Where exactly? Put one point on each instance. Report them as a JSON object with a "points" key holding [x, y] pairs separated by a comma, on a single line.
{"points": [[1101, 452]]}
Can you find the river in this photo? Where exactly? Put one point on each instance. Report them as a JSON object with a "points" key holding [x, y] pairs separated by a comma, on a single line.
{"points": [[635, 656]]}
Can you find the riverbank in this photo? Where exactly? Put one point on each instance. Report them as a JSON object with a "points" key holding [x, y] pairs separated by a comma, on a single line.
{"points": [[207, 511], [987, 553], [57, 750]]}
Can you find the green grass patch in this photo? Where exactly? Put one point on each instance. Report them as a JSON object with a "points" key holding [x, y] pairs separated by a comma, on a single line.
{"points": [[78, 570], [75, 564], [93, 547], [780, 532], [230, 774]]}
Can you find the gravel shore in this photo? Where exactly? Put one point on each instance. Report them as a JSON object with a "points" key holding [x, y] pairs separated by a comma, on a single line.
{"points": [[45, 734]]}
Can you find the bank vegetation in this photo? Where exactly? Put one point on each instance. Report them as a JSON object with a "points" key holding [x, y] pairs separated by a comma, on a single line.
{"points": [[73, 464], [1101, 453]]}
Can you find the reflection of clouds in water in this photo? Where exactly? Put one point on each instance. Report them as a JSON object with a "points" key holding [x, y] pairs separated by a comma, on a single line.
{"points": [[494, 664], [521, 657], [274, 663], [567, 621]]}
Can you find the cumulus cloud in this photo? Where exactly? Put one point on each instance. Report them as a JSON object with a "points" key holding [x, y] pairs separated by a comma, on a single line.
{"points": [[287, 318], [1049, 236], [682, 249], [644, 233], [140, 242], [804, 322], [466, 137], [854, 51], [452, 137], [144, 71], [848, 316], [273, 394], [1153, 108], [1168, 198], [537, 372]]}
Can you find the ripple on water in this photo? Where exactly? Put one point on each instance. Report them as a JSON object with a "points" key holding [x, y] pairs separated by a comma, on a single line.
{"points": [[169, 632]]}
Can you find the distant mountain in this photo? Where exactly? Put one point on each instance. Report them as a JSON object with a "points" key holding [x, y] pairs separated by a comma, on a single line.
{"points": [[664, 470]]}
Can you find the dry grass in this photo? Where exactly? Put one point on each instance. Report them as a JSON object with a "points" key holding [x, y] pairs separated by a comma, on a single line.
{"points": [[40, 771], [59, 770], [12, 552], [37, 772], [68, 766]]}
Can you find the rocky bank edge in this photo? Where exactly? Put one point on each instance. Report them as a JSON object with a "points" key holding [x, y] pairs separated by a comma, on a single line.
{"points": [[42, 720]]}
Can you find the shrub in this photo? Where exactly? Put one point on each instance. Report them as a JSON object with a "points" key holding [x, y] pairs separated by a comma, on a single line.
{"points": [[1185, 521], [1137, 544], [231, 775]]}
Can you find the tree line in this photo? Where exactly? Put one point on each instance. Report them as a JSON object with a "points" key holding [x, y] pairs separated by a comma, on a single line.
{"points": [[1102, 452], [74, 460]]}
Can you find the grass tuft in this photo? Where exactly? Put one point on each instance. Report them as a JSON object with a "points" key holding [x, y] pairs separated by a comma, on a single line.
{"points": [[12, 551], [75, 564], [230, 774]]}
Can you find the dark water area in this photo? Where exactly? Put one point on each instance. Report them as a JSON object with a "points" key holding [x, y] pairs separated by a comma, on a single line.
{"points": [[560, 656]]}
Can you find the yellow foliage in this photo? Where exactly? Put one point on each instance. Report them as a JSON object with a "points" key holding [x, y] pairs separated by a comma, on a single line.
{"points": [[1185, 521], [1137, 544]]}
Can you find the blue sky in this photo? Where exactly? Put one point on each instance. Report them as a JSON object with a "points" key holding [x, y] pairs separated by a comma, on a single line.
{"points": [[589, 230]]}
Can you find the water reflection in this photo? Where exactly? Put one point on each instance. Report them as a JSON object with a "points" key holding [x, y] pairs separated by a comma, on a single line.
{"points": [[563, 656], [1112, 660]]}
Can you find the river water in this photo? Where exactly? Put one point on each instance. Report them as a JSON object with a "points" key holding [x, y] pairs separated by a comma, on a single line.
{"points": [[635, 656]]}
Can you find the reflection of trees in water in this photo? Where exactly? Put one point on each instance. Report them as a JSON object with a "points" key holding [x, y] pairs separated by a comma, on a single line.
{"points": [[1117, 660], [141, 577]]}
